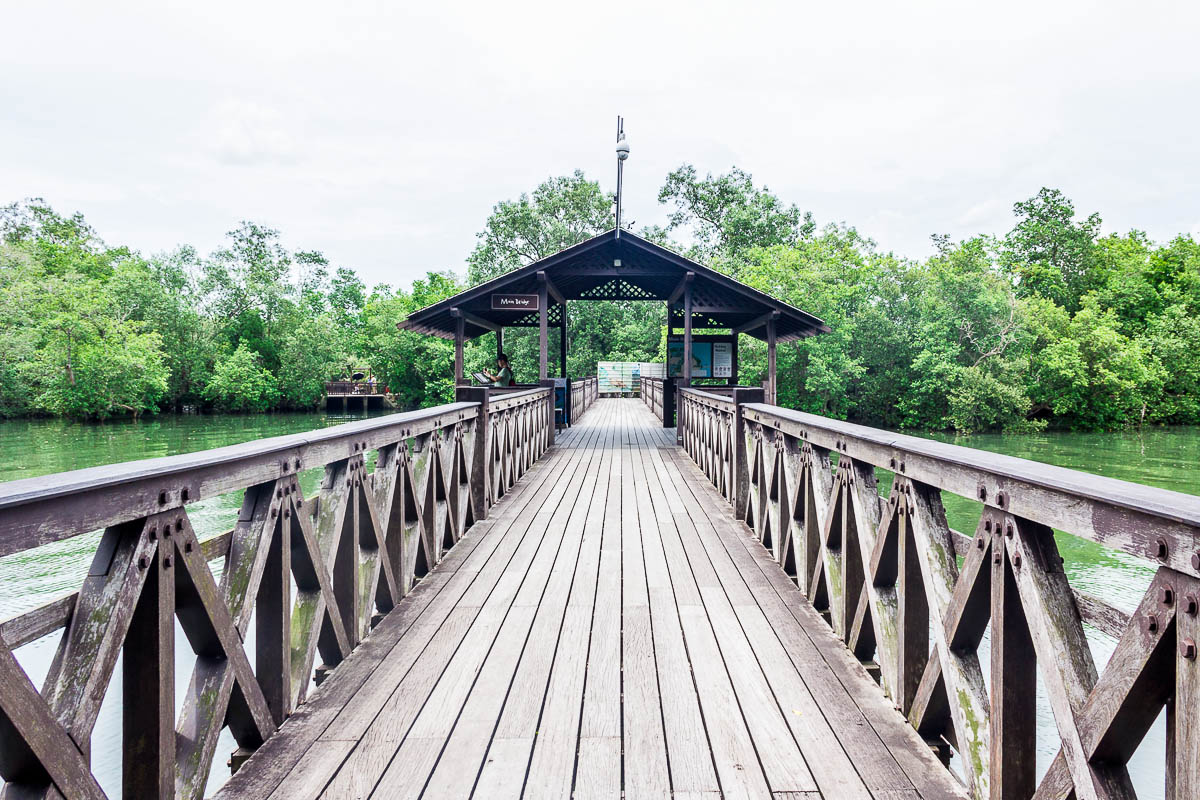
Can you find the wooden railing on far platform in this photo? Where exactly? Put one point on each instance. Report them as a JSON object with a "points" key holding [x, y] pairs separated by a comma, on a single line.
{"points": [[915, 600]]}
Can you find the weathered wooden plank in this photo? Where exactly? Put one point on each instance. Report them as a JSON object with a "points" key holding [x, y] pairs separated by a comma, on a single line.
{"points": [[1130, 694], [1064, 658], [385, 729], [80, 673], [888, 754], [782, 762], [552, 765], [691, 760], [35, 750], [41, 621], [1014, 683], [593, 579], [148, 687], [1186, 729], [961, 671], [831, 769], [645, 750], [599, 772], [601, 719]]}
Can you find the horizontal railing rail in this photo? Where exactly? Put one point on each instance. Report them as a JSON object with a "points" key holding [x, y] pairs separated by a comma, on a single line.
{"points": [[917, 601], [353, 387], [584, 392], [653, 394], [313, 573]]}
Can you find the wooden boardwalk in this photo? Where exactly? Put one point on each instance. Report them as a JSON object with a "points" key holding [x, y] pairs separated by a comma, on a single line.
{"points": [[609, 628]]}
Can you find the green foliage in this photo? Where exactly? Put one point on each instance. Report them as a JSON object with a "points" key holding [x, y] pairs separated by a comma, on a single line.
{"points": [[418, 370], [240, 383], [561, 212], [1052, 323], [728, 215], [309, 357], [1052, 255]]}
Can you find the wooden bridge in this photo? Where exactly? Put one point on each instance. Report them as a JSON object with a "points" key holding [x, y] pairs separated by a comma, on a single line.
{"points": [[473, 605]]}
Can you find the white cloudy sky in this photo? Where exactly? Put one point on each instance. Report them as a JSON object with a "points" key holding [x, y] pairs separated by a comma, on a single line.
{"points": [[383, 133]]}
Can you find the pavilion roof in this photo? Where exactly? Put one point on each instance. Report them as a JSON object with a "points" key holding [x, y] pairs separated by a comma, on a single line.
{"points": [[624, 267]]}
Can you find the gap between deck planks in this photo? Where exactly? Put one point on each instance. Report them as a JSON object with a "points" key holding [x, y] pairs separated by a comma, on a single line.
{"points": [[608, 628]]}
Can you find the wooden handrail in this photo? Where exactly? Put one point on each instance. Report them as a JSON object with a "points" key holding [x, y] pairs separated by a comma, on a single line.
{"points": [[353, 387], [886, 572], [584, 392], [352, 551]]}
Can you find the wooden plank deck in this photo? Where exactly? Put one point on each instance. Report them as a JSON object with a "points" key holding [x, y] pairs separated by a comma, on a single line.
{"points": [[609, 628]]}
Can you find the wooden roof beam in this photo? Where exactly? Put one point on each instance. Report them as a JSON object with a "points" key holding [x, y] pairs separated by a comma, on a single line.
{"points": [[551, 289], [678, 291], [757, 322], [475, 320]]}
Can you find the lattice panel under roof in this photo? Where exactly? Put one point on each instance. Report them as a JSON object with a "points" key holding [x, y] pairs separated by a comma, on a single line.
{"points": [[617, 289], [707, 296], [553, 317], [699, 320]]}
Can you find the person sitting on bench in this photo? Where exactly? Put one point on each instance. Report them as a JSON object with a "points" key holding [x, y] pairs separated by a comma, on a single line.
{"points": [[503, 376]]}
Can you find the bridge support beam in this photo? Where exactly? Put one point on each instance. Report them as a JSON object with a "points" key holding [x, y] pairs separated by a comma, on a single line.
{"points": [[771, 396], [543, 332], [460, 324], [562, 341]]}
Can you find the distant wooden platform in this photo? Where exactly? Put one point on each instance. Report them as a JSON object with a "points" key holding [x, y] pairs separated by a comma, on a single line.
{"points": [[609, 628]]}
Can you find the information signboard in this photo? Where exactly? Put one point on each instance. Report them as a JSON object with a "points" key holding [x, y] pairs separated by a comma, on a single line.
{"points": [[702, 359], [722, 359], [514, 302]]}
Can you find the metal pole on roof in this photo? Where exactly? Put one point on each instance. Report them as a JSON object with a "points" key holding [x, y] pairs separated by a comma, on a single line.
{"points": [[622, 154]]}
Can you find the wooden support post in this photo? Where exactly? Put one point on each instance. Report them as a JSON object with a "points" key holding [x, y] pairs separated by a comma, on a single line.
{"points": [[1184, 719], [912, 614], [1014, 685], [733, 371], [562, 342], [687, 330], [772, 398], [667, 401], [740, 491], [500, 342], [459, 334], [548, 383], [272, 621], [479, 455], [148, 685], [543, 333]]}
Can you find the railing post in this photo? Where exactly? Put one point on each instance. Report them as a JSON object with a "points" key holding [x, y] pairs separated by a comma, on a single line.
{"points": [[479, 458], [549, 383], [741, 470], [668, 403]]}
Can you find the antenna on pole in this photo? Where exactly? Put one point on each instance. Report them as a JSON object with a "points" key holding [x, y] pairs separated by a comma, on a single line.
{"points": [[622, 154]]}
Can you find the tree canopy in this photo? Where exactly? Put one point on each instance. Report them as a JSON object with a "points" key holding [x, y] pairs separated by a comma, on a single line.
{"points": [[1054, 322]]}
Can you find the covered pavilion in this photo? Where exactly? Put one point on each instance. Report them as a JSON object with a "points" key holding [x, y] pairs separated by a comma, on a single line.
{"points": [[617, 265]]}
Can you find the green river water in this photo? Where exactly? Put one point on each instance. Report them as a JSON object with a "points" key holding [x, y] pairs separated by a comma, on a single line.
{"points": [[1168, 458]]}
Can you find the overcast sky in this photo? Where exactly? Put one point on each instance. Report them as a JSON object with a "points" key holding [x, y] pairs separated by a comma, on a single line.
{"points": [[383, 134]]}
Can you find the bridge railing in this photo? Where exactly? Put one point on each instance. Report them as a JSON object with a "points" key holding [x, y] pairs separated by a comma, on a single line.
{"points": [[313, 573], [933, 611], [353, 387], [652, 395], [584, 392]]}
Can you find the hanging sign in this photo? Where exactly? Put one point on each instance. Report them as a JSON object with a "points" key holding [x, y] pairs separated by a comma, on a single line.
{"points": [[514, 302]]}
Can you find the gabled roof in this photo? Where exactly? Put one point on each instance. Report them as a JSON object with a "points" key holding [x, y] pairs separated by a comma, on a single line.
{"points": [[624, 267]]}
